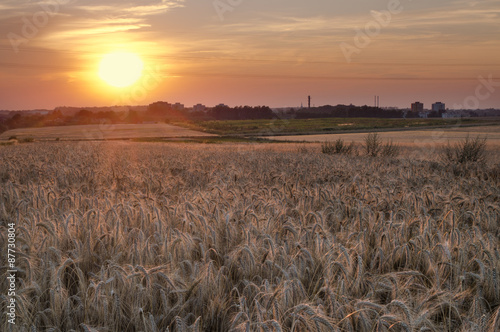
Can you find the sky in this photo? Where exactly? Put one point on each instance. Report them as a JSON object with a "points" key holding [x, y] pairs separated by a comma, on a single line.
{"points": [[252, 52]]}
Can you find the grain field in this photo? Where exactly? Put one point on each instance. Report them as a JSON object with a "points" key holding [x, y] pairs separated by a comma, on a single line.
{"points": [[115, 236]]}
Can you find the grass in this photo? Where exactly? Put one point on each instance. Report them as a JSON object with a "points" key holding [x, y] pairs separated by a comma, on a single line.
{"points": [[325, 125], [206, 140], [128, 236]]}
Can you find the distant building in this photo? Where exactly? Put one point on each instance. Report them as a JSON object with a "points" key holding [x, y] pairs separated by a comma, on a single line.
{"points": [[199, 108], [162, 104], [423, 115], [222, 105], [40, 112], [178, 106], [439, 106], [452, 114], [417, 107]]}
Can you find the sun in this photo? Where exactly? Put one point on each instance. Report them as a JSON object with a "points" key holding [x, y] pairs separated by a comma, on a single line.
{"points": [[120, 69]]}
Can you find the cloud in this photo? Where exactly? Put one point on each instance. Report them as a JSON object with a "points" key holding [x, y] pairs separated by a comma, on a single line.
{"points": [[456, 24], [117, 16], [131, 9], [78, 18], [98, 29], [94, 25], [408, 19]]}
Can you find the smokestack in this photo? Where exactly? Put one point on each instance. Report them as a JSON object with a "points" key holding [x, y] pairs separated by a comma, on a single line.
{"points": [[309, 101]]}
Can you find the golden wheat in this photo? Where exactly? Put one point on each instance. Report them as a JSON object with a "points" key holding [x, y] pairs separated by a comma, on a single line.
{"points": [[148, 237]]}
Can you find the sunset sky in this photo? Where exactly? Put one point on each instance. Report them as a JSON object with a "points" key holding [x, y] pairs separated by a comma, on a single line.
{"points": [[253, 52]]}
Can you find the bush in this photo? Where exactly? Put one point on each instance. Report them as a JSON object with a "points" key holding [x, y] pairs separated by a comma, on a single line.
{"points": [[338, 147], [26, 140], [327, 148], [390, 149], [373, 144], [469, 150], [12, 138]]}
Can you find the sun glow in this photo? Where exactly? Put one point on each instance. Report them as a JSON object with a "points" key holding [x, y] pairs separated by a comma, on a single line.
{"points": [[120, 69]]}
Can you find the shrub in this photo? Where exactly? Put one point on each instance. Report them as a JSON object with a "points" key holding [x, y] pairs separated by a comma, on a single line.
{"points": [[338, 147], [469, 150], [373, 144], [328, 148], [12, 138], [390, 149], [26, 140]]}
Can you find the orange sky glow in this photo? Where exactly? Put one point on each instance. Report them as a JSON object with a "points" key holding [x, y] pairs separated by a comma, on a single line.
{"points": [[252, 52]]}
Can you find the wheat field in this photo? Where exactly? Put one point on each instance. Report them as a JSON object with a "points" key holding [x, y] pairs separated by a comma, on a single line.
{"points": [[419, 138], [103, 132], [115, 236]]}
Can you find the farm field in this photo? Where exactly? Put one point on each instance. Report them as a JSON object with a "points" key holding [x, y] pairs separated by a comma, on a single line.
{"points": [[417, 138], [306, 130], [278, 127], [128, 236], [100, 132]]}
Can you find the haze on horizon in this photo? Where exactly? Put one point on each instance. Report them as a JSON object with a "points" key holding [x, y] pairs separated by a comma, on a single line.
{"points": [[244, 52]]}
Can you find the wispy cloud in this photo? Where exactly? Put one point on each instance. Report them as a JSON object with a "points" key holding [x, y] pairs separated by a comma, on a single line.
{"points": [[120, 8], [97, 24], [96, 30], [407, 20]]}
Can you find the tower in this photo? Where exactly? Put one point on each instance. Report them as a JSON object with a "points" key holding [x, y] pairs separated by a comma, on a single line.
{"points": [[309, 101]]}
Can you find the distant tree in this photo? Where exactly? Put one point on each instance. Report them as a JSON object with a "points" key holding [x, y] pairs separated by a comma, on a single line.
{"points": [[15, 121], [133, 117], [222, 112], [83, 117], [84, 114], [108, 116], [54, 118], [161, 111], [3, 128]]}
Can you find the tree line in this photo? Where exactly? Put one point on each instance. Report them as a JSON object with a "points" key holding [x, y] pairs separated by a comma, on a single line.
{"points": [[165, 112]]}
